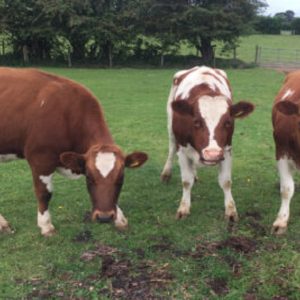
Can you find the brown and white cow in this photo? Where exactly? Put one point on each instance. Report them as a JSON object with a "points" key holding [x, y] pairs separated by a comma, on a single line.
{"points": [[286, 132], [58, 125], [200, 125]]}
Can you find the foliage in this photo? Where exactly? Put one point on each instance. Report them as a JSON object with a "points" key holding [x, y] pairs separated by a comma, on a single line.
{"points": [[104, 30]]}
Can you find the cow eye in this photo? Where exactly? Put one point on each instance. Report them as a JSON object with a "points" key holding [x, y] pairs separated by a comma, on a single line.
{"points": [[228, 124], [198, 124]]}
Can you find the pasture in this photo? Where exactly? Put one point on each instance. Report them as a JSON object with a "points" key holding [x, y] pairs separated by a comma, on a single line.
{"points": [[158, 257]]}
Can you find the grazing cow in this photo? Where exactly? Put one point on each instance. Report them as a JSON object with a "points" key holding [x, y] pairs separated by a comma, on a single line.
{"points": [[200, 125], [58, 125], [286, 133]]}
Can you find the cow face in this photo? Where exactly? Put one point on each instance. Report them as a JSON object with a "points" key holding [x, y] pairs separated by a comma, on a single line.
{"points": [[208, 124], [103, 167]]}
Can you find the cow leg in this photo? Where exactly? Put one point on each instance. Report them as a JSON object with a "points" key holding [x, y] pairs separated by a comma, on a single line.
{"points": [[187, 170], [225, 184], [167, 170], [4, 224], [287, 191], [43, 191]]}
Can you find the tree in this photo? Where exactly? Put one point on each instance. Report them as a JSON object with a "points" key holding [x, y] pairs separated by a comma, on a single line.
{"points": [[268, 25], [206, 21], [296, 25]]}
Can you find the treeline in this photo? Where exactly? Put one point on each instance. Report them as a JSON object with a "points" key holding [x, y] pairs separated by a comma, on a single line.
{"points": [[283, 21], [115, 31]]}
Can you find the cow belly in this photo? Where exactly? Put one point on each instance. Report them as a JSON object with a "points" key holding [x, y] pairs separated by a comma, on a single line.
{"points": [[7, 157]]}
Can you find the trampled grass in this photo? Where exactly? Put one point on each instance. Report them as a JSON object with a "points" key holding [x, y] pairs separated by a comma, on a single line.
{"points": [[196, 258]]}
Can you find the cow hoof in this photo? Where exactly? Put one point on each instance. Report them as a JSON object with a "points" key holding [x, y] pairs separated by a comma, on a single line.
{"points": [[165, 177], [278, 230], [5, 229], [49, 233], [180, 215], [232, 218]]}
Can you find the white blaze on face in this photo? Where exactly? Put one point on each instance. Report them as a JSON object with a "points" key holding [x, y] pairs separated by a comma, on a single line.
{"points": [[212, 109], [105, 162], [47, 180], [203, 75]]}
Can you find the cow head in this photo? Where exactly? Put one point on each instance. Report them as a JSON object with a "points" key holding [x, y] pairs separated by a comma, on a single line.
{"points": [[103, 167], [208, 124]]}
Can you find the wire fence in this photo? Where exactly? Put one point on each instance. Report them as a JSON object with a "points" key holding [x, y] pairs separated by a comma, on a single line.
{"points": [[277, 57]]}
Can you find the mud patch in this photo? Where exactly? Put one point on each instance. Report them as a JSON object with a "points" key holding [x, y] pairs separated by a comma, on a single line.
{"points": [[100, 251], [239, 244], [218, 286], [129, 280], [83, 237]]}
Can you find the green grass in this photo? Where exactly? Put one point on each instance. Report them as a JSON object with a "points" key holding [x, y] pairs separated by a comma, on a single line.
{"points": [[134, 102]]}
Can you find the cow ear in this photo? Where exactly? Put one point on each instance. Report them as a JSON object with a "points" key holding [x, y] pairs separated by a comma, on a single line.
{"points": [[73, 161], [135, 159], [287, 107], [241, 109], [182, 107]]}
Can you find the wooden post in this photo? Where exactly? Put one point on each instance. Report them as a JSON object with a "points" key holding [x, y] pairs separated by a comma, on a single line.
{"points": [[3, 47], [256, 55], [69, 58]]}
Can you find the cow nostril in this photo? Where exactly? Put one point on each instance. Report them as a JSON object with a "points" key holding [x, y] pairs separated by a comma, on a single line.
{"points": [[104, 219]]}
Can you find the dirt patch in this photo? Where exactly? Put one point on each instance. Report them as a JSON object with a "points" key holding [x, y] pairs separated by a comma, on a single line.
{"points": [[253, 214], [83, 237], [129, 280], [218, 286], [100, 251], [250, 296], [239, 244]]}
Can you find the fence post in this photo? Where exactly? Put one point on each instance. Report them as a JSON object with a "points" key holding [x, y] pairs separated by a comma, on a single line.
{"points": [[256, 55]]}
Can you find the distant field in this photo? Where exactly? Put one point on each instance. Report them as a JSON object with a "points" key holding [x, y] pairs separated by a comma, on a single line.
{"points": [[158, 257], [246, 49]]}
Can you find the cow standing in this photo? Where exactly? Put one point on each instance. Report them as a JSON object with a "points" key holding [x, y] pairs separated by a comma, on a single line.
{"points": [[286, 133], [200, 125], [58, 125]]}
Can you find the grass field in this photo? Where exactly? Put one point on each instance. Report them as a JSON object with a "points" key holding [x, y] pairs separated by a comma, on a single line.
{"points": [[158, 257], [247, 44]]}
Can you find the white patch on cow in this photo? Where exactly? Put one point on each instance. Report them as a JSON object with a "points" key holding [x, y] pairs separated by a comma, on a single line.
{"points": [[68, 173], [7, 157], [120, 221], [44, 222], [287, 187], [212, 109], [197, 77], [3, 223], [42, 103], [47, 180], [105, 162], [287, 94]]}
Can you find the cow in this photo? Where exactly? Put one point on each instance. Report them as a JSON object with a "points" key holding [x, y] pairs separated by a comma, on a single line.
{"points": [[200, 126], [58, 125], [286, 133]]}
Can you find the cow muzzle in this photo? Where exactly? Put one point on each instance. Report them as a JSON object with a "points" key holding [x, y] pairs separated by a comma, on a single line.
{"points": [[103, 217], [211, 156]]}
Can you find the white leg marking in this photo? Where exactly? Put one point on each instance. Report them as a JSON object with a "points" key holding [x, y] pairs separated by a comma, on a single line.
{"points": [[225, 184], [44, 222], [120, 221], [105, 162], [285, 168], [187, 170], [3, 224], [47, 180], [68, 173], [167, 170]]}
